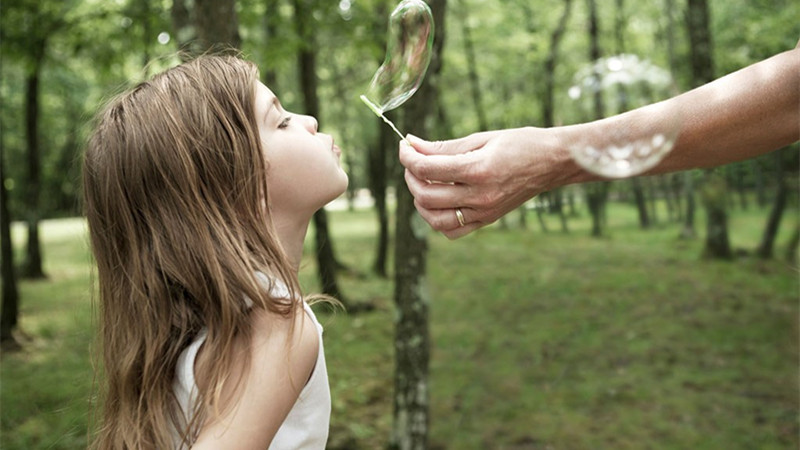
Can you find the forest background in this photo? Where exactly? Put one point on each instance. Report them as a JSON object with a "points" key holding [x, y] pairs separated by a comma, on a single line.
{"points": [[601, 316]]}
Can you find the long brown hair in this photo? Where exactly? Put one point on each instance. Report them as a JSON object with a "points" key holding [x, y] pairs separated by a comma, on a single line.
{"points": [[175, 187]]}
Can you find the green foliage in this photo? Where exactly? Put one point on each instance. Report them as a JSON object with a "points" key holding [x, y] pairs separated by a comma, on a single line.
{"points": [[94, 48], [538, 340]]}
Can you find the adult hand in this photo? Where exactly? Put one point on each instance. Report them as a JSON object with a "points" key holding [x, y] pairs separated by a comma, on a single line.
{"points": [[484, 175]]}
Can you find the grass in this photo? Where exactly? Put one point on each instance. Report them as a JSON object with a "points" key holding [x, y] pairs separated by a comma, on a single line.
{"points": [[539, 340]]}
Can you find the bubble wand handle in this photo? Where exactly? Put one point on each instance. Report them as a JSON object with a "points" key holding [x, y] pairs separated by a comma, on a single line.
{"points": [[379, 113]]}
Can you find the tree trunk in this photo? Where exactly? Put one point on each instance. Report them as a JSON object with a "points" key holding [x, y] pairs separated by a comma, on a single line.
{"points": [[741, 189], [32, 267], [378, 165], [183, 27], [641, 206], [412, 338], [472, 71], [715, 198], [698, 21], [10, 302], [717, 244], [548, 96], [217, 24], [674, 181], [541, 207], [652, 199], [663, 186], [548, 110], [594, 55], [791, 247], [377, 179], [558, 194], [306, 59], [767, 243], [210, 25], [688, 231], [596, 193], [271, 24], [758, 171]]}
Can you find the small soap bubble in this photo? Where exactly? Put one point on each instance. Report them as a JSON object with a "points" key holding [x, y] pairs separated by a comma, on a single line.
{"points": [[615, 85]]}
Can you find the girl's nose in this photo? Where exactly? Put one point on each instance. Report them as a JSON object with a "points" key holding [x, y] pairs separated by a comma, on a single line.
{"points": [[311, 123]]}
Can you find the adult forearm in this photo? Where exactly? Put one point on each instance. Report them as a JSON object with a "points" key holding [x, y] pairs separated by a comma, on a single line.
{"points": [[742, 115]]}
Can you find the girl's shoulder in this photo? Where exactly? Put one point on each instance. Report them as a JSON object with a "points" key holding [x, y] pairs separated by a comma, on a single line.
{"points": [[282, 354]]}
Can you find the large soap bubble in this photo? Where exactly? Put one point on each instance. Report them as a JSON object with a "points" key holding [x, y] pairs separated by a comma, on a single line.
{"points": [[615, 85], [408, 52]]}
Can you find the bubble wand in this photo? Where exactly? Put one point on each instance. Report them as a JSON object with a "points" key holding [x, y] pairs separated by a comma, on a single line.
{"points": [[380, 114]]}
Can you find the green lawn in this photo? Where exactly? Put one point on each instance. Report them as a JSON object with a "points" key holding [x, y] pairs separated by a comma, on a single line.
{"points": [[540, 340]]}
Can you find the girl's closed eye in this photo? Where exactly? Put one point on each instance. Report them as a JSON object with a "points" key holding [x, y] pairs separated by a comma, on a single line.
{"points": [[284, 123]]}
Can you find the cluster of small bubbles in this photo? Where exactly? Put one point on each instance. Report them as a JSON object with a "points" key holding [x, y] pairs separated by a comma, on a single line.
{"points": [[615, 85]]}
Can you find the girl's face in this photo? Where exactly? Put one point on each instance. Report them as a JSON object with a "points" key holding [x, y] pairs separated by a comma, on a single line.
{"points": [[304, 172]]}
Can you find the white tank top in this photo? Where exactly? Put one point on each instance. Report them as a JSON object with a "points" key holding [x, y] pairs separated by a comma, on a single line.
{"points": [[306, 426]]}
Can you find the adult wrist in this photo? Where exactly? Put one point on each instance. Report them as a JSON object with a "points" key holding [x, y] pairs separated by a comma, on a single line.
{"points": [[569, 172]]}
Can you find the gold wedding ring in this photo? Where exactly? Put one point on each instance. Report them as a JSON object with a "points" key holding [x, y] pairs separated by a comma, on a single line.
{"points": [[460, 217]]}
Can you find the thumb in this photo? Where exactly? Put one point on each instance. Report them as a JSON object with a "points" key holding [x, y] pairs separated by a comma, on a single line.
{"points": [[451, 147]]}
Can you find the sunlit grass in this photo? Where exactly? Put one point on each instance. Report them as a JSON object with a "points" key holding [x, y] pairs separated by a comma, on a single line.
{"points": [[539, 340]]}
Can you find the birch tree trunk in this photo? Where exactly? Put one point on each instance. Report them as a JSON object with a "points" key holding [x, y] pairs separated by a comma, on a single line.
{"points": [[412, 338]]}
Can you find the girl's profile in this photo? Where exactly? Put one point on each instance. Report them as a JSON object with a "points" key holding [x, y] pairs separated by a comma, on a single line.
{"points": [[199, 188]]}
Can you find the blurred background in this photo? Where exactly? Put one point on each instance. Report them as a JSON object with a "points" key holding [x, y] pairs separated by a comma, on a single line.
{"points": [[597, 316]]}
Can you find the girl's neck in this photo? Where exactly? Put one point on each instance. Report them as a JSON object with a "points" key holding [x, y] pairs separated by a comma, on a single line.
{"points": [[292, 234]]}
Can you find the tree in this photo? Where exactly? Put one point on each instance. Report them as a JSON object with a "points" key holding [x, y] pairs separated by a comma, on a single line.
{"points": [[29, 36], [714, 190], [596, 193], [377, 179], [10, 302], [472, 68], [764, 249], [555, 202], [33, 257], [412, 338], [378, 164], [209, 25], [307, 69], [636, 183], [217, 23]]}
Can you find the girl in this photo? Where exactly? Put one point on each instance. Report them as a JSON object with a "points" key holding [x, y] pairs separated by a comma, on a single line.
{"points": [[199, 188]]}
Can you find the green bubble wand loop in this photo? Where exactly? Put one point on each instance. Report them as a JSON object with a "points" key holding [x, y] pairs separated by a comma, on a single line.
{"points": [[408, 54]]}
